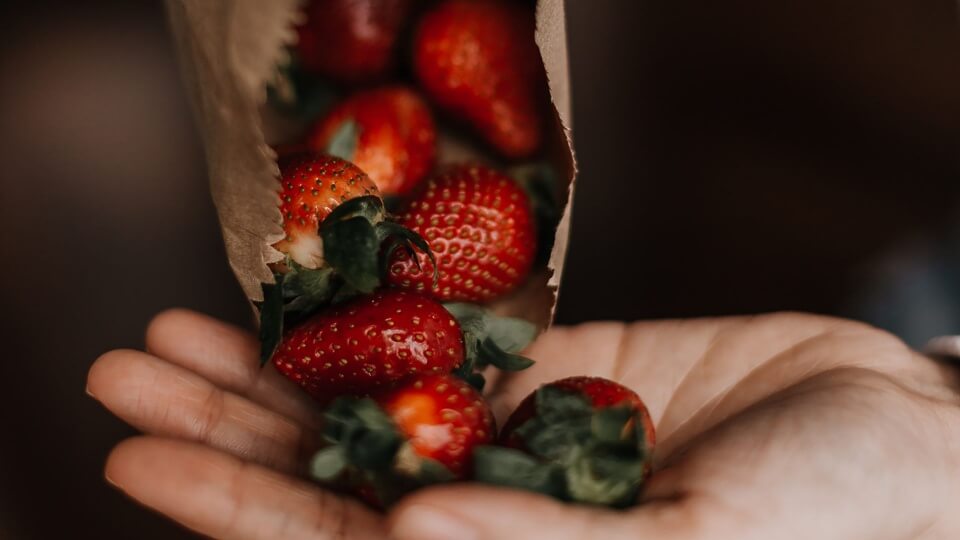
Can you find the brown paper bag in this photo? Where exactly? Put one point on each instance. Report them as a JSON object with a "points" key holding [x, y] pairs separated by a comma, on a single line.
{"points": [[230, 50]]}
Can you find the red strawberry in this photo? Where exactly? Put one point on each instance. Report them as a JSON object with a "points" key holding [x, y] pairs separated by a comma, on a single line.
{"points": [[480, 227], [418, 434], [350, 40], [370, 343], [336, 227], [312, 185], [443, 417], [389, 134], [478, 60], [583, 439]]}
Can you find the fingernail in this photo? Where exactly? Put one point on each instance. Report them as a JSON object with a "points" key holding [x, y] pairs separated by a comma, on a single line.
{"points": [[421, 522], [88, 392]]}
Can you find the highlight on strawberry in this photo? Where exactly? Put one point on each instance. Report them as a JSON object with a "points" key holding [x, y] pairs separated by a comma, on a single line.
{"points": [[419, 434], [580, 439], [387, 132]]}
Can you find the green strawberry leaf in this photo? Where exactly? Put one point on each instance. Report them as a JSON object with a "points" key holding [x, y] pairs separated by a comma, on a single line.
{"points": [[328, 463], [609, 425], [561, 428], [433, 472], [491, 340], [271, 318], [602, 458], [508, 333], [367, 437], [511, 468], [365, 447], [472, 318], [343, 144], [490, 353], [305, 289], [604, 480], [351, 247], [345, 292]]}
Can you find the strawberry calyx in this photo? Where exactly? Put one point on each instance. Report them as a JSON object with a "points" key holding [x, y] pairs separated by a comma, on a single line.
{"points": [[572, 451], [490, 340], [366, 450], [358, 241]]}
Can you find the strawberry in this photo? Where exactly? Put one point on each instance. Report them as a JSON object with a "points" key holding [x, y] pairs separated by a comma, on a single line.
{"points": [[311, 187], [418, 434], [374, 342], [478, 60], [601, 393], [480, 227], [387, 132], [370, 343], [583, 439], [350, 40], [335, 225], [443, 417]]}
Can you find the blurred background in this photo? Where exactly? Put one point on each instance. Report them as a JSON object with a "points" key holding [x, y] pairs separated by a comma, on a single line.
{"points": [[735, 157]]}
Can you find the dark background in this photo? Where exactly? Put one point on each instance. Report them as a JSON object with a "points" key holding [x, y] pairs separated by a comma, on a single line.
{"points": [[735, 157]]}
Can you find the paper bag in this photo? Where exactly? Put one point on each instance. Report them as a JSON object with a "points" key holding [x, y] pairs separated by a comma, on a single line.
{"points": [[229, 52]]}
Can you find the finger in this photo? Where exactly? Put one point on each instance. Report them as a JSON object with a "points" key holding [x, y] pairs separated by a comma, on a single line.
{"points": [[164, 399], [229, 357], [485, 513], [223, 497]]}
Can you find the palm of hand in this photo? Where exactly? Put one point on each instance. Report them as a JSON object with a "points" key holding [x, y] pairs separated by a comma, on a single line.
{"points": [[781, 426]]}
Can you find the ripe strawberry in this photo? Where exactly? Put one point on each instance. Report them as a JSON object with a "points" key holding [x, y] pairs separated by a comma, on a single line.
{"points": [[480, 227], [478, 60], [418, 434], [336, 227], [312, 185], [583, 439], [370, 343], [443, 417], [387, 132], [350, 40]]}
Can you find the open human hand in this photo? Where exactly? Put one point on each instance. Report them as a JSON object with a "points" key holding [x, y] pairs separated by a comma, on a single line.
{"points": [[771, 427]]}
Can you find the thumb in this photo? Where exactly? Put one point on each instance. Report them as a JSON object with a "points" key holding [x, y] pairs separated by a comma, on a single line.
{"points": [[470, 512]]}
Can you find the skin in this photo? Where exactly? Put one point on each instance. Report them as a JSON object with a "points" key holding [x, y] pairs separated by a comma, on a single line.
{"points": [[781, 426]]}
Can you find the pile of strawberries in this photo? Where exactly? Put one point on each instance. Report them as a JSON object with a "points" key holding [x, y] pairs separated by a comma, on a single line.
{"points": [[389, 259]]}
